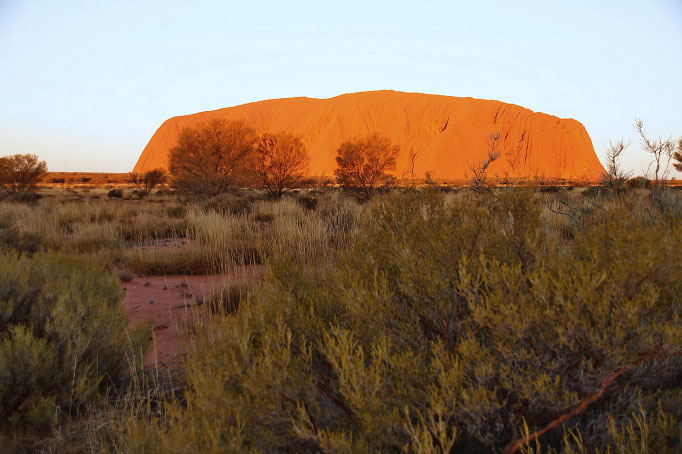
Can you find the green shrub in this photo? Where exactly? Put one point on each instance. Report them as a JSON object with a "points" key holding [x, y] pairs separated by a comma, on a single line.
{"points": [[64, 345], [639, 183], [176, 211], [25, 197], [307, 202], [163, 192], [455, 325], [230, 204], [550, 189], [340, 220], [667, 203], [174, 261], [227, 299], [265, 218], [115, 194], [22, 242], [152, 228], [594, 191]]}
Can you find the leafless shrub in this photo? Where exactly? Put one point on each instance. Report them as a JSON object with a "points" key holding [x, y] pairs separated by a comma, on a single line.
{"points": [[661, 151], [615, 177], [479, 179]]}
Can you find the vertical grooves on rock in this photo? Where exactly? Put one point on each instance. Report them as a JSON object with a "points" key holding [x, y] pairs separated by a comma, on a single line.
{"points": [[448, 131]]}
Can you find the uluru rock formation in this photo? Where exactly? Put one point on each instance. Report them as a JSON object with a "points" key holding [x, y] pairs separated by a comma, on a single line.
{"points": [[441, 134]]}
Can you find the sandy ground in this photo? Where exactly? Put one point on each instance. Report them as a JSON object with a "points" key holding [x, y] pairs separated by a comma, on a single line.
{"points": [[169, 303]]}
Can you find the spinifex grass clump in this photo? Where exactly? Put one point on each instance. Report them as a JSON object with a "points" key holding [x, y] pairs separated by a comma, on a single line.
{"points": [[228, 298], [64, 346], [453, 324]]}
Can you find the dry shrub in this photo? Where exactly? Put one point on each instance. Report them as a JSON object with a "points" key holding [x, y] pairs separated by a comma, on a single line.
{"points": [[282, 161], [64, 345], [21, 172], [458, 324], [214, 157], [364, 163], [227, 299]]}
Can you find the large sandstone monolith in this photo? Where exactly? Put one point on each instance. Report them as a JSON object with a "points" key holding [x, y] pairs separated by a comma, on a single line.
{"points": [[441, 134]]}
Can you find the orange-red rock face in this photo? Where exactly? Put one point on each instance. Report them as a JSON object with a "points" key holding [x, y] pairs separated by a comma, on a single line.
{"points": [[447, 134]]}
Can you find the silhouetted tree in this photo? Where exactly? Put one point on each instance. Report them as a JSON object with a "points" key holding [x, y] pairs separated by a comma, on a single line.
{"points": [[213, 157], [149, 180], [21, 172], [479, 179], [677, 157], [282, 160], [364, 163]]}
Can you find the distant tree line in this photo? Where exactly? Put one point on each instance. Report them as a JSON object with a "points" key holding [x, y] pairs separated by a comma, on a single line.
{"points": [[223, 154]]}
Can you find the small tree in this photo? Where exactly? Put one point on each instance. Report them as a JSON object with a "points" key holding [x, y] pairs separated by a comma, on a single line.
{"points": [[479, 179], [429, 178], [660, 149], [677, 157], [148, 180], [364, 161], [213, 157], [282, 160], [615, 177], [21, 172]]}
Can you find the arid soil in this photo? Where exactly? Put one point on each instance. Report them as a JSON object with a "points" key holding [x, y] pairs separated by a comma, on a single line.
{"points": [[173, 305]]}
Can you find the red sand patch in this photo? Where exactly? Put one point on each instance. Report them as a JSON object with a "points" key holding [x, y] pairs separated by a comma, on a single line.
{"points": [[169, 304]]}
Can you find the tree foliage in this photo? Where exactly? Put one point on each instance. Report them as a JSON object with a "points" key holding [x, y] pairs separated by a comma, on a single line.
{"points": [[21, 172], [214, 157], [149, 179], [364, 163], [282, 159]]}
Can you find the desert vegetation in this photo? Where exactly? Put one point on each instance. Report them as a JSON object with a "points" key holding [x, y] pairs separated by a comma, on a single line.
{"points": [[149, 180], [661, 151], [21, 172], [427, 320], [365, 162], [281, 161], [502, 316], [214, 157], [677, 157]]}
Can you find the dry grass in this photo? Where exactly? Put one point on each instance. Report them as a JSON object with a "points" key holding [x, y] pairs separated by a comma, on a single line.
{"points": [[134, 234], [161, 235]]}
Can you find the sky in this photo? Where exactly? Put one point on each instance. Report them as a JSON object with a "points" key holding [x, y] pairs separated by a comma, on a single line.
{"points": [[85, 84]]}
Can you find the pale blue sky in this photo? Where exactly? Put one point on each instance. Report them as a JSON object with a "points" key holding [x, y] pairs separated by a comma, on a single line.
{"points": [[86, 83]]}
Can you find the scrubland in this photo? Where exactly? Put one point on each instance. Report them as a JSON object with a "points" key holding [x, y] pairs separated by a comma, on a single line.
{"points": [[515, 319]]}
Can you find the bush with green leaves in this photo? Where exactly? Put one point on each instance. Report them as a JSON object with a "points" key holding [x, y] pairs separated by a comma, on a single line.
{"points": [[64, 342], [230, 203], [460, 324]]}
